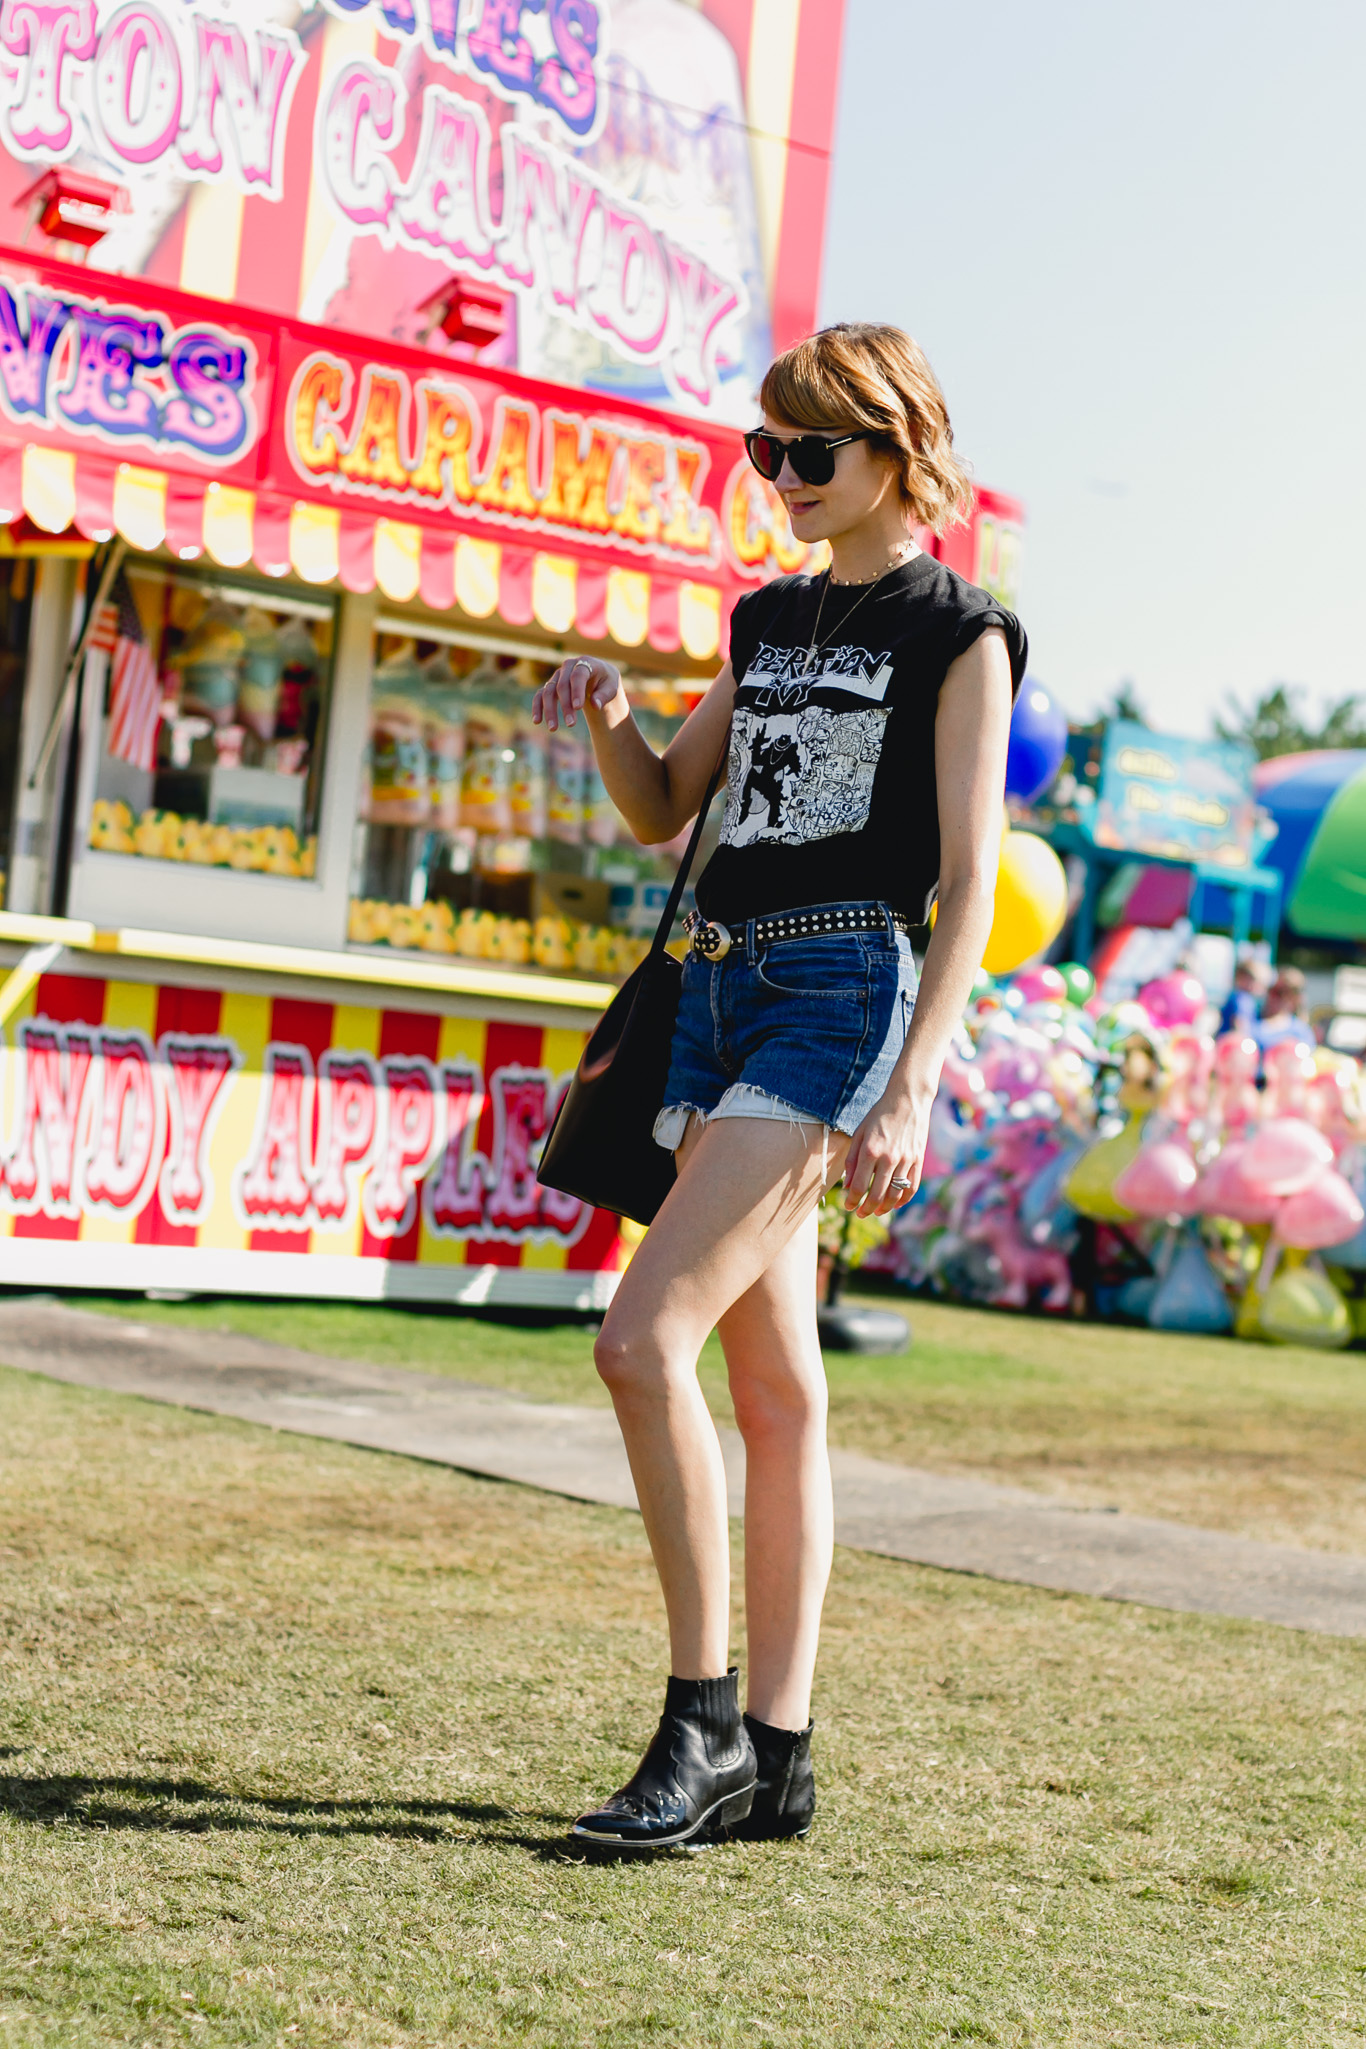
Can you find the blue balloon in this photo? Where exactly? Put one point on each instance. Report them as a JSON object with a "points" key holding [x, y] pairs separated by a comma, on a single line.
{"points": [[1190, 1297], [1038, 742]]}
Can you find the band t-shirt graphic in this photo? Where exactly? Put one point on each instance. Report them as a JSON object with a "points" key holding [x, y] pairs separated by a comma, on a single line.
{"points": [[831, 794]]}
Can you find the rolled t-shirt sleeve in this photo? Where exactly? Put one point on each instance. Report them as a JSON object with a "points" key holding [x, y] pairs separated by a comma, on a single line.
{"points": [[974, 623], [744, 632]]}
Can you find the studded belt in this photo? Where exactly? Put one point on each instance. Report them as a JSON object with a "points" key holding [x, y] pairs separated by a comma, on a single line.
{"points": [[713, 940]]}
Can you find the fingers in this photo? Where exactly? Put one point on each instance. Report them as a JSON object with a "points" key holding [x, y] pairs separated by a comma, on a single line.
{"points": [[876, 1184], [560, 699]]}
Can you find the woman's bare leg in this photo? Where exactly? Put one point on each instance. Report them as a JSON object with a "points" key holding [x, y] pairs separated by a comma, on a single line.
{"points": [[777, 1384], [745, 1186]]}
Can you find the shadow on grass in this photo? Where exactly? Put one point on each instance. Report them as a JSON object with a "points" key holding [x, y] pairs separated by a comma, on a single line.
{"points": [[189, 1807]]}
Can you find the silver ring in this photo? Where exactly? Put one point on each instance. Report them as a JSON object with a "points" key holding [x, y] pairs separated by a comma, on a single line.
{"points": [[898, 1184]]}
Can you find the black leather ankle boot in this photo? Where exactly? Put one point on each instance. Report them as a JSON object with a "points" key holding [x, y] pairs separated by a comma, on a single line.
{"points": [[696, 1778], [785, 1796]]}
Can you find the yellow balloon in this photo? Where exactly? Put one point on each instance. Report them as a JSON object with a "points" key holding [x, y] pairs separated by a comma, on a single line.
{"points": [[1031, 903], [1090, 1187]]}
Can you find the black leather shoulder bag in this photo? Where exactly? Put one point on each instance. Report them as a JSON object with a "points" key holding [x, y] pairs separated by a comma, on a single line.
{"points": [[602, 1146]]}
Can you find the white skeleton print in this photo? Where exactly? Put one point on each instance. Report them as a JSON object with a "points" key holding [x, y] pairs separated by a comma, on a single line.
{"points": [[800, 776]]}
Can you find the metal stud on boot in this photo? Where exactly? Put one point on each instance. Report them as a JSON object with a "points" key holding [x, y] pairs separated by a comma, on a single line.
{"points": [[785, 1796], [696, 1779]]}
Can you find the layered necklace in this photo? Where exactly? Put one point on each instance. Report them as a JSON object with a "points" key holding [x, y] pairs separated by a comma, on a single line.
{"points": [[869, 584]]}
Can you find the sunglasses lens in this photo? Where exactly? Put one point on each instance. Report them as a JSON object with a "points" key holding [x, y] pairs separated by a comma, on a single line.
{"points": [[812, 459]]}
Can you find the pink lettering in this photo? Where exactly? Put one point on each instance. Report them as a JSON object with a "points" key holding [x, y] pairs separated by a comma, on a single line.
{"points": [[346, 1131], [54, 1064], [198, 1071], [442, 204], [137, 85], [364, 107], [497, 45], [126, 1142], [520, 1121], [566, 83], [631, 296], [564, 1214], [704, 302], [411, 1136], [102, 393], [26, 359], [232, 108], [546, 210], [47, 32], [273, 1184], [455, 1195]]}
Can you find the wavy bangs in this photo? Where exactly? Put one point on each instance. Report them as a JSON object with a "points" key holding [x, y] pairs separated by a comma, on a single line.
{"points": [[874, 377]]}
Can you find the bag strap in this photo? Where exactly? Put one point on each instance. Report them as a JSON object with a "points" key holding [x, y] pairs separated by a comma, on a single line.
{"points": [[670, 912]]}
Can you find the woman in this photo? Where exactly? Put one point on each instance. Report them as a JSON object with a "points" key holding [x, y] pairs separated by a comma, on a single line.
{"points": [[865, 714]]}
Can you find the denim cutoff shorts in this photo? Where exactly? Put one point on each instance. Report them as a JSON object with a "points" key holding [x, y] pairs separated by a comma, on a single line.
{"points": [[807, 1029]]}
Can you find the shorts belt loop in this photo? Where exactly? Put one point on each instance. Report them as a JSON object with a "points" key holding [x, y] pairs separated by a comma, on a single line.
{"points": [[888, 924], [751, 943]]}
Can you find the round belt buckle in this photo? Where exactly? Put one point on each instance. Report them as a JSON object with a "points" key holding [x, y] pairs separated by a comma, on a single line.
{"points": [[711, 940]]}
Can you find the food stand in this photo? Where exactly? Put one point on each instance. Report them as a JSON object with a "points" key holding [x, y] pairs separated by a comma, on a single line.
{"points": [[307, 922]]}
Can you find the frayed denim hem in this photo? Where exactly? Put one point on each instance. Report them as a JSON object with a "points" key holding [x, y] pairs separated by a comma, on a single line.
{"points": [[740, 1100]]}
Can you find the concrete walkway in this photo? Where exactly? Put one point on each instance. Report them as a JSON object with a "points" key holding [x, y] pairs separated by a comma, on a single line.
{"points": [[898, 1511]]}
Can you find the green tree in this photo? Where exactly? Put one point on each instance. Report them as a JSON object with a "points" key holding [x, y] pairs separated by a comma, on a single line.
{"points": [[1276, 723], [1125, 705]]}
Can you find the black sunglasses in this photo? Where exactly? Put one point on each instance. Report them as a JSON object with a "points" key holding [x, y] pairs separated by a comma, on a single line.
{"points": [[812, 457]]}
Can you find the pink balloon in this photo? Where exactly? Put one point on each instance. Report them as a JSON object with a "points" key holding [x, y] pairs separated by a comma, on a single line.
{"points": [[1159, 1181], [1286, 1154], [1040, 985], [1324, 1213], [1174, 999], [1227, 1190]]}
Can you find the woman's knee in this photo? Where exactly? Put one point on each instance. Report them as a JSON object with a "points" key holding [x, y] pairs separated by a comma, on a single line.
{"points": [[628, 1358], [786, 1407]]}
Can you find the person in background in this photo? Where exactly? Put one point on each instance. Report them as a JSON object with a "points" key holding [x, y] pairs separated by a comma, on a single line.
{"points": [[1283, 1016], [1243, 1005]]}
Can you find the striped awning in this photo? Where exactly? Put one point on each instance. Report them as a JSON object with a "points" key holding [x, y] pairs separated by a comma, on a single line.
{"points": [[519, 584]]}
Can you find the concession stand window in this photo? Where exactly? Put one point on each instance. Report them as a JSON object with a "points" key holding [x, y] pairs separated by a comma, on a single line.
{"points": [[204, 754], [480, 834]]}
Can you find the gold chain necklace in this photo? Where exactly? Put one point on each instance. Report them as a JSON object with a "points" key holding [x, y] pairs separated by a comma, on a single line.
{"points": [[819, 646]]}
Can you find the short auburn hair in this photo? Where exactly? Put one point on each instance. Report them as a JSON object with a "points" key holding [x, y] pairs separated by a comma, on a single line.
{"points": [[861, 374]]}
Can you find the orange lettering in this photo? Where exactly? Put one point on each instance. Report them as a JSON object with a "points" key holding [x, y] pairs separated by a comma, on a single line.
{"points": [[506, 486], [690, 526], [749, 530], [320, 385], [639, 518], [446, 440], [374, 456], [577, 493]]}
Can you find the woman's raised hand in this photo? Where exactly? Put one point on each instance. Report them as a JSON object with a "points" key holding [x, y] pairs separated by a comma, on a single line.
{"points": [[581, 680]]}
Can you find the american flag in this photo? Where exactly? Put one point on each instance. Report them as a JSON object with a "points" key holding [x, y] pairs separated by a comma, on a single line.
{"points": [[134, 689]]}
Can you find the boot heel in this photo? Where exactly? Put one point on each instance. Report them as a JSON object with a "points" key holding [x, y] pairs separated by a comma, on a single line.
{"points": [[734, 1808]]}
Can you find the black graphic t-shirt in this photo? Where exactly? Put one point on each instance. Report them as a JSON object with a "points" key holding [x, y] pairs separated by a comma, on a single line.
{"points": [[831, 794]]}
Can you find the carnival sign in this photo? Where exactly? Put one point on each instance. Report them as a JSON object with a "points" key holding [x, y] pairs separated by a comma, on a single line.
{"points": [[107, 369], [231, 1134], [375, 431]]}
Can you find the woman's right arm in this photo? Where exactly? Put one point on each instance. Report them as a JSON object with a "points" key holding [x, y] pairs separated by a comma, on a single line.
{"points": [[656, 795]]}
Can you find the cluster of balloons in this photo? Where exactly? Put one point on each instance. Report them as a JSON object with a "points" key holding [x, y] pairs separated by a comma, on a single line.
{"points": [[1031, 885], [1216, 1179]]}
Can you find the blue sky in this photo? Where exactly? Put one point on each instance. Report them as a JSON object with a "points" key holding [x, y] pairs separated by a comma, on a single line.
{"points": [[1131, 241]]}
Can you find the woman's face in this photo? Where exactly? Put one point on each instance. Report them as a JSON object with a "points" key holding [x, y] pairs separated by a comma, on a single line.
{"points": [[864, 486]]}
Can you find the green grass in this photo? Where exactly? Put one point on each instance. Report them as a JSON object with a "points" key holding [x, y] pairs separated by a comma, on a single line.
{"points": [[290, 1733], [1268, 1441]]}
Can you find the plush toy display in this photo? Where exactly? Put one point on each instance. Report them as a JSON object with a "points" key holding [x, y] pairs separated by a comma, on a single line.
{"points": [[1122, 1159]]}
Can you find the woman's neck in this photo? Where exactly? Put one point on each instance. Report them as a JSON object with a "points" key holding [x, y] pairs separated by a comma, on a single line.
{"points": [[870, 550]]}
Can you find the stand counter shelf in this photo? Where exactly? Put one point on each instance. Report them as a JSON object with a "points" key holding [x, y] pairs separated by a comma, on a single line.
{"points": [[215, 1116]]}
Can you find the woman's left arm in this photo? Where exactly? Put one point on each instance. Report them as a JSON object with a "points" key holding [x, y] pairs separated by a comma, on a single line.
{"points": [[971, 732]]}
